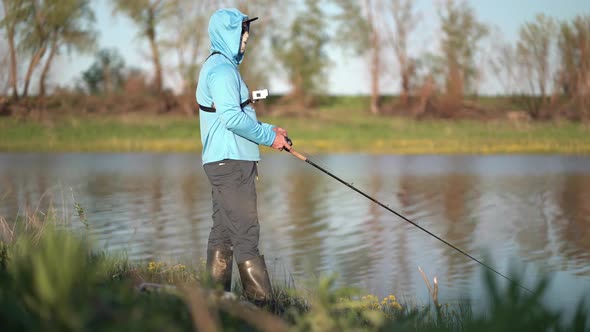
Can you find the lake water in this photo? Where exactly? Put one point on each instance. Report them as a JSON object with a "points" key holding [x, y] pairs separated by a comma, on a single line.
{"points": [[529, 211]]}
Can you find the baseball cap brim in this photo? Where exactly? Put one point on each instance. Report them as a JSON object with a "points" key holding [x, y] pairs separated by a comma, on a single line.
{"points": [[251, 20]]}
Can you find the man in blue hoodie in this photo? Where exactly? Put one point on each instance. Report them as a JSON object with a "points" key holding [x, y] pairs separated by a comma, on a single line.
{"points": [[231, 134]]}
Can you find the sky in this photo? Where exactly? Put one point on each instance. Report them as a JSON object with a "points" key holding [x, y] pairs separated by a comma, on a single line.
{"points": [[348, 75]]}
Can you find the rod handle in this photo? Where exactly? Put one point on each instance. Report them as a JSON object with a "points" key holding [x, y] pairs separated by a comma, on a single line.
{"points": [[297, 154], [293, 152]]}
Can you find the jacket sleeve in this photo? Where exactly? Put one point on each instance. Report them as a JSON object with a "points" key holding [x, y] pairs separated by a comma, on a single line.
{"points": [[225, 91], [267, 125]]}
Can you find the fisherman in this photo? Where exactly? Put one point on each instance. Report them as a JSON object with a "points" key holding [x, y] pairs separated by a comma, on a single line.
{"points": [[231, 134]]}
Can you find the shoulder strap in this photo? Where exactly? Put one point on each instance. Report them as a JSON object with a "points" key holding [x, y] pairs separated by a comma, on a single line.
{"points": [[217, 52], [205, 108], [212, 108], [212, 54]]}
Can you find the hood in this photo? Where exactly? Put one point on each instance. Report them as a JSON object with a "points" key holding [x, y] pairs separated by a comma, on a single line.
{"points": [[225, 32]]}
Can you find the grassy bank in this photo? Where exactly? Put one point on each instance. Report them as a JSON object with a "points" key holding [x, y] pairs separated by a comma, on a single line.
{"points": [[52, 280], [326, 130]]}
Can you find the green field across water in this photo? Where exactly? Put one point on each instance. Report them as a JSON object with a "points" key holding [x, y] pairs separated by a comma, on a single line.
{"points": [[326, 130]]}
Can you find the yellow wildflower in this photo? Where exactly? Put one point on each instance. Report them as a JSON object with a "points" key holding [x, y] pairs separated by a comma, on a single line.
{"points": [[390, 302], [180, 267], [154, 266], [370, 302]]}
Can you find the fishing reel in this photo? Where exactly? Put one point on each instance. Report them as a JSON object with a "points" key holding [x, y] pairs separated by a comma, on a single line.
{"points": [[290, 142]]}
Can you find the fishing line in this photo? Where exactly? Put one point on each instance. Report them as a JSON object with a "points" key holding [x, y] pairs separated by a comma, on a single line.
{"points": [[307, 160]]}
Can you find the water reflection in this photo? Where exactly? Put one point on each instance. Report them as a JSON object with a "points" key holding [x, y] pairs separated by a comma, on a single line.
{"points": [[573, 221], [534, 210], [460, 213], [308, 227]]}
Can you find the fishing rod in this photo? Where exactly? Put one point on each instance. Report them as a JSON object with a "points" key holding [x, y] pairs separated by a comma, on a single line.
{"points": [[307, 160]]}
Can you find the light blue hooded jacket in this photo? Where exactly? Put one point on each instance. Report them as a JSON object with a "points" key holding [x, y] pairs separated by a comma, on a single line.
{"points": [[231, 132]]}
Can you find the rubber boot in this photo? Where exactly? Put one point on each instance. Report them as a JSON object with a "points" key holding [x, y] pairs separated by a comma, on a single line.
{"points": [[219, 267], [255, 280]]}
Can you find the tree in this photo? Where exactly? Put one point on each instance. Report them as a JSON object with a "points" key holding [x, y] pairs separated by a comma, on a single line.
{"points": [[148, 15], [4, 66], [376, 46], [259, 62], [504, 66], [502, 63], [405, 20], [533, 49], [69, 25], [461, 34], [353, 27], [574, 46], [14, 12], [302, 53], [186, 37], [35, 36], [106, 73], [35, 26], [358, 28]]}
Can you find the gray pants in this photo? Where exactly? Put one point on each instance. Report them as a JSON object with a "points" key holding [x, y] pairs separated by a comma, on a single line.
{"points": [[235, 218]]}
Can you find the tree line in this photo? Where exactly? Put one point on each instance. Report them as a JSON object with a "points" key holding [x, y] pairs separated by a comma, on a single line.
{"points": [[548, 64]]}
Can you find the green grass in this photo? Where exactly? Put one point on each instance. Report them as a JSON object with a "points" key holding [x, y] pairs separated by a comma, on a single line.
{"points": [[329, 129]]}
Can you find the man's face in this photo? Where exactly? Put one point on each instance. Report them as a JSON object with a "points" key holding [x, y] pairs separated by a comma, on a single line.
{"points": [[245, 36]]}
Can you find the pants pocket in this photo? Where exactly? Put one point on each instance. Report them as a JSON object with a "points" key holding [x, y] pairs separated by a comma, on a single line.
{"points": [[223, 173]]}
